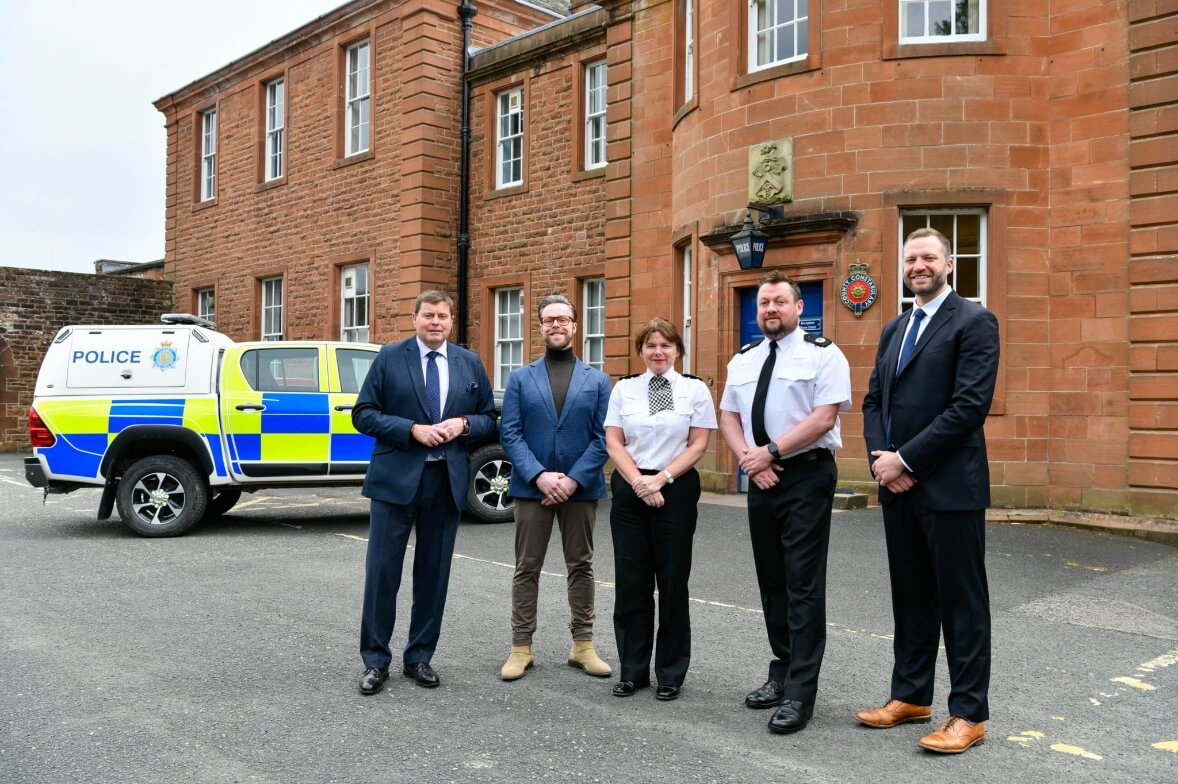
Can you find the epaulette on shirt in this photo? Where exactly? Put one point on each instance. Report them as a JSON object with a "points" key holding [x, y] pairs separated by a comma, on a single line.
{"points": [[632, 375], [688, 375], [751, 346], [819, 340]]}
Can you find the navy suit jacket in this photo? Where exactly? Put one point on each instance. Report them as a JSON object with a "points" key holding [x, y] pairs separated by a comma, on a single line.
{"points": [[536, 440], [938, 405], [392, 401]]}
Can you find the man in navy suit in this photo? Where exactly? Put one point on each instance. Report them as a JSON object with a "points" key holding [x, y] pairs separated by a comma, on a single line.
{"points": [[424, 400], [554, 434], [926, 404]]}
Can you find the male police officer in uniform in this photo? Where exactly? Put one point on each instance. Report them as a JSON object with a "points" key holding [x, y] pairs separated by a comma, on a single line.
{"points": [[779, 416]]}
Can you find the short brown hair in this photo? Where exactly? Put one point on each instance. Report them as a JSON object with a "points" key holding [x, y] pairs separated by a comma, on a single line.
{"points": [[663, 327], [433, 297], [773, 277], [930, 232], [555, 299]]}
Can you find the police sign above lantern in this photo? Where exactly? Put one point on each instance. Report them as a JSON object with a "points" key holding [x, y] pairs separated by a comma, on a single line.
{"points": [[749, 244], [859, 290]]}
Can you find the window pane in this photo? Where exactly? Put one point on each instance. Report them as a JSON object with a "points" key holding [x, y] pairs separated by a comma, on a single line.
{"points": [[943, 224], [966, 272], [940, 18], [969, 234], [913, 22]]}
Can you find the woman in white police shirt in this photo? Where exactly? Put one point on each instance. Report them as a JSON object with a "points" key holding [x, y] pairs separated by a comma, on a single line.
{"points": [[656, 428]]}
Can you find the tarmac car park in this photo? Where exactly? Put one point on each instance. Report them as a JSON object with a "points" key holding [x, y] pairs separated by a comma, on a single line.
{"points": [[176, 421]]}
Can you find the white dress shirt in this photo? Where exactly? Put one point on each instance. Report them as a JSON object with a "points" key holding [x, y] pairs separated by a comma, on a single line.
{"points": [[654, 440]]}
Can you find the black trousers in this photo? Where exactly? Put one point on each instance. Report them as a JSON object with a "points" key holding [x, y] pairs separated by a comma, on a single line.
{"points": [[937, 564], [789, 525], [653, 547], [433, 516]]}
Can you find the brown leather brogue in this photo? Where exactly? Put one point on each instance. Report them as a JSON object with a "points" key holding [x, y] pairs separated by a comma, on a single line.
{"points": [[954, 736], [895, 712]]}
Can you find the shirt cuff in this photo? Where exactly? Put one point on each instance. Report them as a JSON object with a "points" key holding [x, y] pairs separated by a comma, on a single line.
{"points": [[908, 467]]}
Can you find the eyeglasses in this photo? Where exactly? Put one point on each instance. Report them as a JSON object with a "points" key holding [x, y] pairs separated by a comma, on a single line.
{"points": [[563, 321]]}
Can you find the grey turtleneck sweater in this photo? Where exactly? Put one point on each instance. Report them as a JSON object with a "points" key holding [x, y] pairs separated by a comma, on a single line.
{"points": [[560, 372]]}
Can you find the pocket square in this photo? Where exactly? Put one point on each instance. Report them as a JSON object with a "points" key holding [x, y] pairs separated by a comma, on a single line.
{"points": [[472, 386]]}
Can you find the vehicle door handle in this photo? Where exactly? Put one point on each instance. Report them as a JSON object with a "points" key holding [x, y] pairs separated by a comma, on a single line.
{"points": [[344, 407], [250, 407]]}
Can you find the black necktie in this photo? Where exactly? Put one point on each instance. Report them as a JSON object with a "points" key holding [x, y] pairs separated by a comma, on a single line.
{"points": [[762, 393], [659, 392]]}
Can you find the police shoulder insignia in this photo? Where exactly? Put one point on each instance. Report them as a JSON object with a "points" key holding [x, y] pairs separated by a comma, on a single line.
{"points": [[688, 375], [819, 340], [750, 346], [632, 375]]}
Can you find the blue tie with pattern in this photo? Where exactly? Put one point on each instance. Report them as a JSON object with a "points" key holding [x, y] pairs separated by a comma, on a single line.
{"points": [[433, 396]]}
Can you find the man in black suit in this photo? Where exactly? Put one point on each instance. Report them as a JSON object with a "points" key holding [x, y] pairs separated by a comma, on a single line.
{"points": [[423, 400], [923, 415]]}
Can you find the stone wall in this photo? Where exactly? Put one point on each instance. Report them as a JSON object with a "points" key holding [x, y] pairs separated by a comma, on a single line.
{"points": [[35, 304]]}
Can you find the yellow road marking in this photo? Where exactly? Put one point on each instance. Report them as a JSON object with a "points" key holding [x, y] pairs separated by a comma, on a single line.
{"points": [[1058, 718], [1135, 683], [1167, 659], [1074, 565], [1167, 745], [1076, 750], [251, 502]]}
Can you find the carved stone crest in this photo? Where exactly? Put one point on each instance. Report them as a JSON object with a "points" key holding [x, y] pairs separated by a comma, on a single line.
{"points": [[771, 177]]}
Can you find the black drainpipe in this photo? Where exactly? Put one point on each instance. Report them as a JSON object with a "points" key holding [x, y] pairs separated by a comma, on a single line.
{"points": [[467, 12]]}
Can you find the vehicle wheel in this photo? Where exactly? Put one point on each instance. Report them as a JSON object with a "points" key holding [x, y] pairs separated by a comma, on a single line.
{"points": [[490, 477], [162, 496], [222, 501]]}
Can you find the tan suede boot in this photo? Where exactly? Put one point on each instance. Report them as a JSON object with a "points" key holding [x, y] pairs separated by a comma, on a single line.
{"points": [[582, 655], [519, 662]]}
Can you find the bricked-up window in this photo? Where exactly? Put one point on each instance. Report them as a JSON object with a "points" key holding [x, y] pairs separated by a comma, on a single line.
{"points": [[778, 32], [966, 230], [939, 21], [354, 303], [595, 106], [208, 155], [509, 150], [275, 128], [688, 50], [593, 325], [206, 305], [357, 100], [509, 333], [272, 309]]}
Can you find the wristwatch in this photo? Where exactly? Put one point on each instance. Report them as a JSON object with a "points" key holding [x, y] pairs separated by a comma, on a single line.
{"points": [[670, 477], [773, 450], [465, 426]]}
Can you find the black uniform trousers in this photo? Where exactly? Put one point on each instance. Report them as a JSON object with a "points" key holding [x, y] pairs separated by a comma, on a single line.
{"points": [[789, 525], [653, 547], [937, 564], [433, 516]]}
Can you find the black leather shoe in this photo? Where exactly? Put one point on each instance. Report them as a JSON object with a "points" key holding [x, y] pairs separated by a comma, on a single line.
{"points": [[626, 688], [422, 674], [666, 693], [768, 696], [373, 679], [791, 717]]}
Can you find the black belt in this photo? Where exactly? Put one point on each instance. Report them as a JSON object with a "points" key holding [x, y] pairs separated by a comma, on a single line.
{"points": [[806, 457]]}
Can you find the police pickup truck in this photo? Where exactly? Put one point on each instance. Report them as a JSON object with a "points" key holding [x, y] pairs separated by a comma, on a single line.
{"points": [[175, 422]]}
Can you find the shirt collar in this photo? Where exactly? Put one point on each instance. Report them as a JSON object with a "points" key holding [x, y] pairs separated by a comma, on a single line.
{"points": [[671, 375], [424, 350], [930, 309]]}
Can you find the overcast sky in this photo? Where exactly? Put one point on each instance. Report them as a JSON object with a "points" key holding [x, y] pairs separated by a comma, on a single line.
{"points": [[83, 148]]}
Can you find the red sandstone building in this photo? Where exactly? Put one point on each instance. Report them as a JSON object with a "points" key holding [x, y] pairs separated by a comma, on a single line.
{"points": [[315, 186]]}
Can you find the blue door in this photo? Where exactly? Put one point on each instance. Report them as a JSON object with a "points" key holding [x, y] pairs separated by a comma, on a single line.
{"points": [[749, 331]]}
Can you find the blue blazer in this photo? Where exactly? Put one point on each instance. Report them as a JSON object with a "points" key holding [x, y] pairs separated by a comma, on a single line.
{"points": [[938, 405], [392, 401], [536, 440]]}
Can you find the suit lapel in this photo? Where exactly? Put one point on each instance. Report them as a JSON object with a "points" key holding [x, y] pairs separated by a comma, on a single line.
{"points": [[580, 373], [413, 365], [539, 374], [936, 323]]}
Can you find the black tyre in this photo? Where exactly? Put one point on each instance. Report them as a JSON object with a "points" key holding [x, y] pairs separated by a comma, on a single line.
{"points": [[222, 501], [490, 477], [162, 496]]}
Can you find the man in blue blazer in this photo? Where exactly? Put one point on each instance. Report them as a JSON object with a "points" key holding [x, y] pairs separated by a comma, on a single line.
{"points": [[424, 400], [923, 420], [554, 434]]}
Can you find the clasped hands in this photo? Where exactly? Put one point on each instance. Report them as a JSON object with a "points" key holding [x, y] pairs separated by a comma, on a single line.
{"points": [[890, 472], [649, 489], [556, 487], [442, 433], [759, 465]]}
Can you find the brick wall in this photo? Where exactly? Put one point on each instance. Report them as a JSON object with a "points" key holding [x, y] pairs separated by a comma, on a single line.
{"points": [[1153, 253], [35, 304]]}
